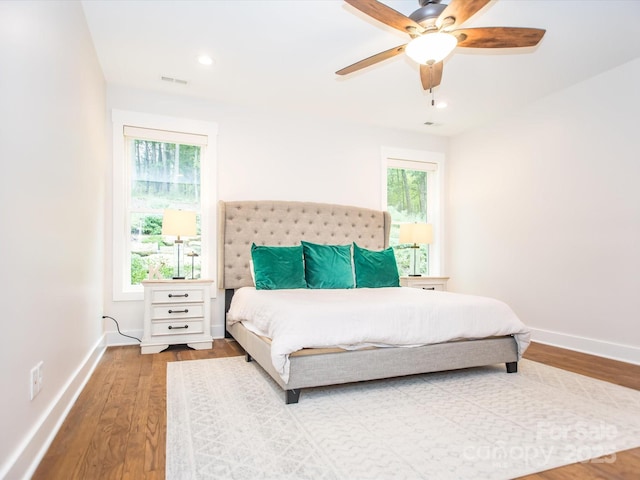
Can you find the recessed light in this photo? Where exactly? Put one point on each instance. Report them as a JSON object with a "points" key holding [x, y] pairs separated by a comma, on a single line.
{"points": [[205, 60]]}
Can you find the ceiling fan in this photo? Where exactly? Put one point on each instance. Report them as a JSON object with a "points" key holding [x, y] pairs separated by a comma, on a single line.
{"points": [[434, 33]]}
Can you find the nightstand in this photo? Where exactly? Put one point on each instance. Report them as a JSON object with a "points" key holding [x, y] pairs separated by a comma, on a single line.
{"points": [[176, 312], [426, 283]]}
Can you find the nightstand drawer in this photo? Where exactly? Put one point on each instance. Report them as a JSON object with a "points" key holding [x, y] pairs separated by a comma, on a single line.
{"points": [[425, 283], [427, 286], [185, 327], [176, 312], [185, 310], [177, 295]]}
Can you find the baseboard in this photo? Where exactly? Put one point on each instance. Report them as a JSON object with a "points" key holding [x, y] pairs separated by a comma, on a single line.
{"points": [[600, 348], [217, 331], [114, 339], [33, 448]]}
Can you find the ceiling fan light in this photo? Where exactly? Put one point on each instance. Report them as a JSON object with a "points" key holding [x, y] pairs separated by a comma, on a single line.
{"points": [[431, 47]]}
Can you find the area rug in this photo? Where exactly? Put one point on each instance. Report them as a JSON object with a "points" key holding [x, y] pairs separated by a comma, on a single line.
{"points": [[226, 419]]}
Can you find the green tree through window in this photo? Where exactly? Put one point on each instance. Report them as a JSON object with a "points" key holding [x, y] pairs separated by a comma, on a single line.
{"points": [[407, 203], [407, 194], [163, 175]]}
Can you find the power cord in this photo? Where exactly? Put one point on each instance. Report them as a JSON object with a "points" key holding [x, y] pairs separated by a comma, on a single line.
{"points": [[118, 328]]}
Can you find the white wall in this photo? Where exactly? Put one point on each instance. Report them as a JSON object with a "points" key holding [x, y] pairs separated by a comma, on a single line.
{"points": [[52, 97], [544, 207], [544, 213], [272, 156]]}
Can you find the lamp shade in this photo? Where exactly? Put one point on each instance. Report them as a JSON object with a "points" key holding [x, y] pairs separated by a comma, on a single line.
{"points": [[416, 233], [431, 47], [179, 223]]}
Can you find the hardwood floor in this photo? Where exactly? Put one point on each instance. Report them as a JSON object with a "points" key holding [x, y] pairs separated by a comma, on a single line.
{"points": [[117, 428], [627, 463]]}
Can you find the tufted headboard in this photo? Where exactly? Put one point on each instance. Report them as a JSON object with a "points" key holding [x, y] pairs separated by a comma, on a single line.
{"points": [[286, 223]]}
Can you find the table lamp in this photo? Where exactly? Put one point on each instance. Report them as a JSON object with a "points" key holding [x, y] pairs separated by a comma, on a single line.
{"points": [[416, 234], [179, 223]]}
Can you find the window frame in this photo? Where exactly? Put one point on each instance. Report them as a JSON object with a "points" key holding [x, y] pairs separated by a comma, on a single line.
{"points": [[434, 164], [121, 260]]}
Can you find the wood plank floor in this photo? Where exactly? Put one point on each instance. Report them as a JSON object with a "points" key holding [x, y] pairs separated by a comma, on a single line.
{"points": [[117, 428]]}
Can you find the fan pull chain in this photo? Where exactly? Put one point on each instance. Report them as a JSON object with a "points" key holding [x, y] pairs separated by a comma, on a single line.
{"points": [[433, 102]]}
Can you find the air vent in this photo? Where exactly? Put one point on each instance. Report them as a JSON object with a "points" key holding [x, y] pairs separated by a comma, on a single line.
{"points": [[173, 80]]}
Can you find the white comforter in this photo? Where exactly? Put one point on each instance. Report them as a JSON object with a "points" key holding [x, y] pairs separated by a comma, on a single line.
{"points": [[363, 317]]}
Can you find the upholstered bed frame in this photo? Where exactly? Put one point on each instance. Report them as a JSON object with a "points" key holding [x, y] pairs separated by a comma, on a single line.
{"points": [[286, 223]]}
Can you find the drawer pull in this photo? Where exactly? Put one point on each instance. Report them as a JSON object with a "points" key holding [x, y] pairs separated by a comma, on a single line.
{"points": [[175, 295], [428, 288], [186, 310], [171, 327]]}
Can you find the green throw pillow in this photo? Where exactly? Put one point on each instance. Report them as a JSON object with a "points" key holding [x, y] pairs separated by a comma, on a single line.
{"points": [[277, 268], [327, 266], [375, 269]]}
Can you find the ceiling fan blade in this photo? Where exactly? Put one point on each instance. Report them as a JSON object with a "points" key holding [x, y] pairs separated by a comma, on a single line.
{"points": [[430, 75], [460, 11], [498, 37], [378, 57], [387, 15]]}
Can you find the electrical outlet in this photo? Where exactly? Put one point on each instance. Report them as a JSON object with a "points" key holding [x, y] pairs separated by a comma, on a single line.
{"points": [[35, 379], [35, 384], [40, 375]]}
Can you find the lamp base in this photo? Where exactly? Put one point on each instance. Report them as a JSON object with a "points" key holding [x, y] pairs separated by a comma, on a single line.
{"points": [[415, 247], [178, 248]]}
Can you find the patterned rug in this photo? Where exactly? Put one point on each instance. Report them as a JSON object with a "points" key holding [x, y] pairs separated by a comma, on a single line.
{"points": [[226, 419]]}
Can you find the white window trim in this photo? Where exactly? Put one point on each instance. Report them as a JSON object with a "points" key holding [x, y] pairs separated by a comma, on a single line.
{"points": [[433, 162], [121, 180]]}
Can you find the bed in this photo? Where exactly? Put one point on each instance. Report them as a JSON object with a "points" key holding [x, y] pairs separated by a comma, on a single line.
{"points": [[278, 223]]}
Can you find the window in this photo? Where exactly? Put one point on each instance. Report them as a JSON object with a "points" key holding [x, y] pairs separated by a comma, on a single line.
{"points": [[160, 163], [412, 192]]}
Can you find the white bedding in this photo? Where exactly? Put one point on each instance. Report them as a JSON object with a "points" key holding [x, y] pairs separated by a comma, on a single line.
{"points": [[364, 317]]}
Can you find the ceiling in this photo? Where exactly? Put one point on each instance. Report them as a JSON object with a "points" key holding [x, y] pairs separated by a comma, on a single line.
{"points": [[283, 55]]}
